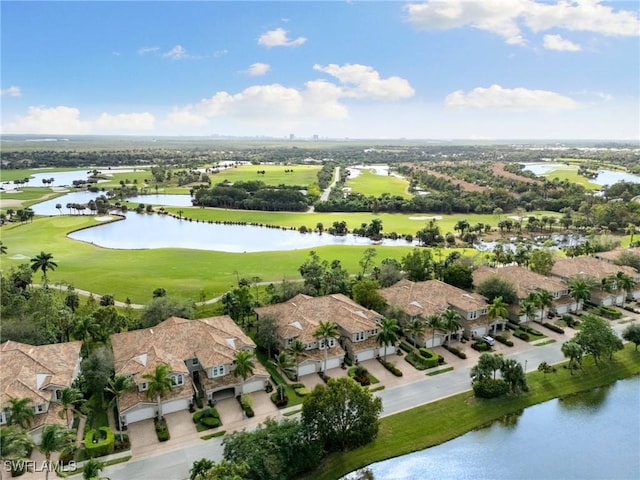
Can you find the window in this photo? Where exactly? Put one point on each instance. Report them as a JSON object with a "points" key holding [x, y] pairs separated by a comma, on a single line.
{"points": [[473, 315], [217, 371], [58, 394], [143, 386], [289, 341], [359, 336], [195, 361], [178, 380], [39, 408]]}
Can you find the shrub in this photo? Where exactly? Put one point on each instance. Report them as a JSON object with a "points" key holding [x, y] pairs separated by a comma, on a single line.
{"points": [[391, 367], [123, 443], [553, 327], [610, 313], [278, 400], [512, 326], [199, 402], [426, 353], [99, 442], [302, 391], [67, 455], [245, 403], [522, 336], [481, 346], [504, 340], [490, 388], [162, 430], [406, 347], [211, 422], [456, 351]]}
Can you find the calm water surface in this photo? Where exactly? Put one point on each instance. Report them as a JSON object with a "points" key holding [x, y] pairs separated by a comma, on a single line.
{"points": [[605, 177], [589, 436]]}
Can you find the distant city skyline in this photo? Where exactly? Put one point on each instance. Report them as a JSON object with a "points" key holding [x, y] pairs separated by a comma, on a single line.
{"points": [[438, 69]]}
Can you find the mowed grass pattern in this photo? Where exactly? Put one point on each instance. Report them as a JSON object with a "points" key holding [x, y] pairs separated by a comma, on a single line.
{"points": [[370, 183], [302, 175]]}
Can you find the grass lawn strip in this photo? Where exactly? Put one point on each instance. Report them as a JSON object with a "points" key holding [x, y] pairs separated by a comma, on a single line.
{"points": [[443, 420], [370, 183]]}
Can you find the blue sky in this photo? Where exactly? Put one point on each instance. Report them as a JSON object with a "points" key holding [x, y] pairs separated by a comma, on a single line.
{"points": [[472, 69]]}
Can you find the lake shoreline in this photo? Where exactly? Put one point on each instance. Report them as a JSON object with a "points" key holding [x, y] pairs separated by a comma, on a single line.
{"points": [[453, 416]]}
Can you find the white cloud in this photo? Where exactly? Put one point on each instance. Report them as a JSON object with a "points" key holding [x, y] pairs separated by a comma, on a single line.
{"points": [[220, 53], [279, 38], [65, 120], [507, 17], [258, 69], [11, 91], [177, 53], [185, 116], [499, 98], [52, 120], [145, 50], [124, 122], [365, 82], [556, 42]]}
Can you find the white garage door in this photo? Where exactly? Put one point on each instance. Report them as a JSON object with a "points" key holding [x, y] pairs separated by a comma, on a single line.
{"points": [[332, 363], [175, 405], [562, 309], [140, 413], [607, 301], [253, 385], [366, 355], [307, 368]]}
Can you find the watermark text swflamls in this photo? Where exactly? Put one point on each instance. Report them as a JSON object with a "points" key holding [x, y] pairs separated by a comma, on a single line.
{"points": [[38, 466]]}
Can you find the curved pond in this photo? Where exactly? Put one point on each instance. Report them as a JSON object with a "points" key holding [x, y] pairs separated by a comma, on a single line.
{"points": [[63, 179], [140, 231], [592, 435]]}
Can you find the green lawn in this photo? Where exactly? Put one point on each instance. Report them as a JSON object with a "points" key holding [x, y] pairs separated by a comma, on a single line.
{"points": [[8, 175], [570, 172], [437, 422], [274, 174], [370, 183], [136, 273]]}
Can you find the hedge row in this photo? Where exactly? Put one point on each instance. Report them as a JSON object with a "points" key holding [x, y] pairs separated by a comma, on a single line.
{"points": [[553, 327], [98, 448], [456, 351], [504, 340], [391, 367]]}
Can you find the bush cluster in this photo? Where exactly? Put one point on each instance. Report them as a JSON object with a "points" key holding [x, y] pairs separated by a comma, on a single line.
{"points": [[245, 403], [553, 327], [391, 367], [99, 442], [490, 388], [608, 312], [162, 430], [481, 346], [458, 352], [522, 336], [504, 340]]}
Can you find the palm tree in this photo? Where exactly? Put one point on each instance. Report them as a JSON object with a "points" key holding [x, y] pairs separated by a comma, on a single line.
{"points": [[20, 412], [285, 363], [450, 322], [15, 444], [626, 283], [528, 309], [70, 398], [387, 334], [546, 301], [497, 309], [579, 290], [159, 384], [118, 385], [415, 328], [574, 352], [433, 322], [54, 439], [43, 261], [243, 360], [534, 299], [92, 469], [200, 468], [296, 349], [324, 333]]}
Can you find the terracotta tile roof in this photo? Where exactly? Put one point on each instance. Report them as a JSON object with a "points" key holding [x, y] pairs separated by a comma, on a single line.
{"points": [[612, 255], [134, 397], [300, 316], [367, 344], [523, 280], [213, 341], [425, 299], [566, 268], [34, 371]]}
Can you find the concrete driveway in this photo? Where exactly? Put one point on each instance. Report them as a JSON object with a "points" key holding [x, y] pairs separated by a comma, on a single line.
{"points": [[230, 410], [180, 423], [142, 435]]}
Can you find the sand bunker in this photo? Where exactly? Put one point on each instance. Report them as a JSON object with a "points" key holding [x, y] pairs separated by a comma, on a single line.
{"points": [[104, 218], [437, 217]]}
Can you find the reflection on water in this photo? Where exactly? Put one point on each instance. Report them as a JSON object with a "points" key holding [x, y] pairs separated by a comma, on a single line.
{"points": [[559, 439]]}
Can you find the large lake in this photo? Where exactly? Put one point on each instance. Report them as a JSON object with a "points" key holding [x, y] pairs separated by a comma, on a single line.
{"points": [[140, 231], [590, 436], [605, 177]]}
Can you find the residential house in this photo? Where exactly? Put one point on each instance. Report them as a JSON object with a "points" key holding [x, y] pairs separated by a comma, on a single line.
{"points": [[299, 318], [597, 270], [526, 282], [200, 354], [38, 373], [432, 297], [612, 255]]}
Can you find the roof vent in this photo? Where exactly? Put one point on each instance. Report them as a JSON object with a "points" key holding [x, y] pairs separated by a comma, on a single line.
{"points": [[296, 324], [231, 342]]}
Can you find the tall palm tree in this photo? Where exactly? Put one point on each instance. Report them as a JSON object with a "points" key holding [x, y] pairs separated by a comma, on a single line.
{"points": [[159, 384], [579, 290], [433, 322], [70, 399], [285, 363], [324, 333], [528, 309], [43, 261], [243, 360], [497, 309], [387, 334], [450, 322], [54, 439], [534, 299], [20, 412], [297, 349], [415, 328], [545, 297], [118, 386], [574, 352]]}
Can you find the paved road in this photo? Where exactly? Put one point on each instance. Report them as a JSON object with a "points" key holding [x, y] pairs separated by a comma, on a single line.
{"points": [[175, 464], [336, 177]]}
